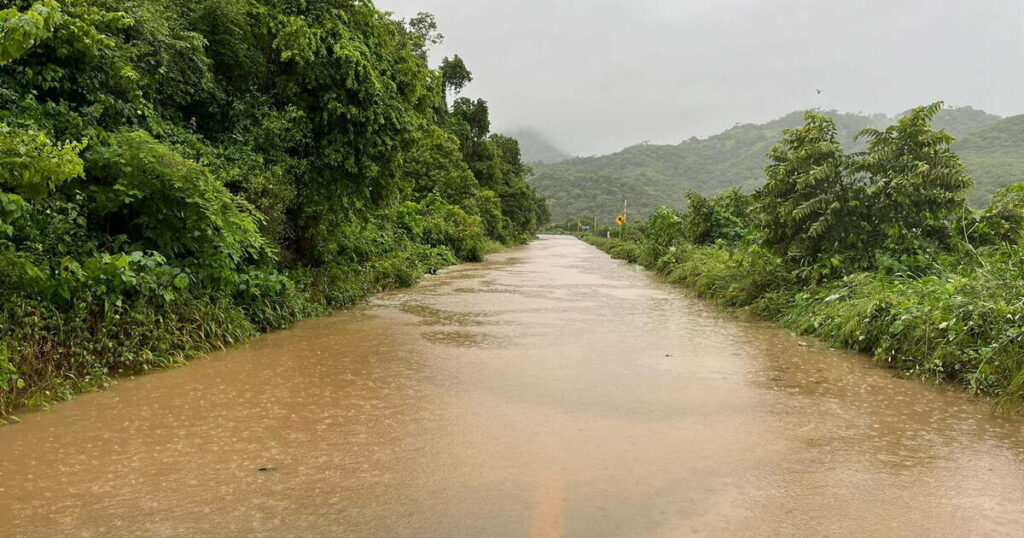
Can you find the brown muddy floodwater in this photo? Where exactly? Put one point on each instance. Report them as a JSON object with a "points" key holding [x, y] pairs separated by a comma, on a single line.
{"points": [[551, 391]]}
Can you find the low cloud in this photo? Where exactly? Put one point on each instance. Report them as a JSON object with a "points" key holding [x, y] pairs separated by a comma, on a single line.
{"points": [[599, 75]]}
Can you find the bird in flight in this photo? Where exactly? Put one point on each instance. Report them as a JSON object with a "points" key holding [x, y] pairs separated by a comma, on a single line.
{"points": [[817, 90]]}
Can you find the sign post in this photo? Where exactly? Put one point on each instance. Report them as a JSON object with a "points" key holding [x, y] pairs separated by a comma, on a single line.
{"points": [[621, 219]]}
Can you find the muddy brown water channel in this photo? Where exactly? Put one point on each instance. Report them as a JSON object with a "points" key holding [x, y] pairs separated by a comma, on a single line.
{"points": [[550, 391]]}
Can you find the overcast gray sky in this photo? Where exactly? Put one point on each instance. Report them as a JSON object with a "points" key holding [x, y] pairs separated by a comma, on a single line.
{"points": [[599, 75]]}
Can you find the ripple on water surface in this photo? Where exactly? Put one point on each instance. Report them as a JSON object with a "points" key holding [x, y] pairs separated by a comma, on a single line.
{"points": [[549, 391]]}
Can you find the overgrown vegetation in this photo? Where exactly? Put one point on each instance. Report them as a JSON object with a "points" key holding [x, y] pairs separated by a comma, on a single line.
{"points": [[652, 175], [180, 175], [874, 250]]}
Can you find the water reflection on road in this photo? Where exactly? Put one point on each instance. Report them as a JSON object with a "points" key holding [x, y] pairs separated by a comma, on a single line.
{"points": [[550, 391]]}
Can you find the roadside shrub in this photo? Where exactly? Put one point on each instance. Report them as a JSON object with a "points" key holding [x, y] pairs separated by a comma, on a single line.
{"points": [[725, 217], [166, 203], [438, 224], [664, 229], [1001, 222]]}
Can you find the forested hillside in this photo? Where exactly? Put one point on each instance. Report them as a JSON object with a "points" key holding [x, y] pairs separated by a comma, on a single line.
{"points": [[994, 155], [653, 175], [181, 174]]}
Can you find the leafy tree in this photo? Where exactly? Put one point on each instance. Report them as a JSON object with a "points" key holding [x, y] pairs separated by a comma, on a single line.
{"points": [[434, 165], [423, 29], [33, 165], [487, 205], [437, 223], [471, 119], [725, 217], [916, 184], [20, 30], [454, 75], [146, 191], [899, 198], [807, 200], [496, 162], [663, 231]]}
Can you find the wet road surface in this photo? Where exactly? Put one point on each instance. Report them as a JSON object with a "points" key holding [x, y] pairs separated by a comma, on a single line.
{"points": [[550, 391]]}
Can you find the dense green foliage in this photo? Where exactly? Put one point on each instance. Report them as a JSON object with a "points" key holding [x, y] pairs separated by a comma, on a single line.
{"points": [[654, 175], [874, 250], [179, 175]]}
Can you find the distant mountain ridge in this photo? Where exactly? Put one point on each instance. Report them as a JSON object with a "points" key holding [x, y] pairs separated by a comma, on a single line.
{"points": [[536, 148], [653, 175]]}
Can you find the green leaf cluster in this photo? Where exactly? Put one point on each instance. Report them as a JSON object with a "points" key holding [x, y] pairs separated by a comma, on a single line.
{"points": [[253, 160]]}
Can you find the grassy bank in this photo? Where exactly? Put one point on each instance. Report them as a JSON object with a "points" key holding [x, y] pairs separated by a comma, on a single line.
{"points": [[963, 326]]}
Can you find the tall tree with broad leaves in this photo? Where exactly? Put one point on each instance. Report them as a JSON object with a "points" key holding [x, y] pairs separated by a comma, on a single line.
{"points": [[916, 184], [807, 204]]}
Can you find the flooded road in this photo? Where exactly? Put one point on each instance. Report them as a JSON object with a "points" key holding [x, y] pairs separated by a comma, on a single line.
{"points": [[551, 391]]}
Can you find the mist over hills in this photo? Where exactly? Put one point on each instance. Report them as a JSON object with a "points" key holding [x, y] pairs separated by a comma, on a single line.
{"points": [[536, 148], [650, 175]]}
